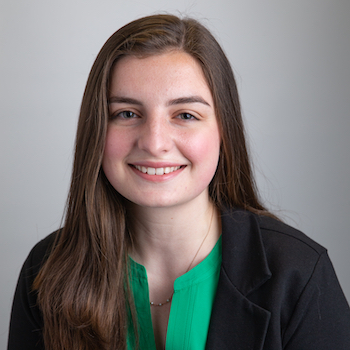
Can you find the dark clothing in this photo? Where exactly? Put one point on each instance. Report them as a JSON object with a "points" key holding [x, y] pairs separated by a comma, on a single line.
{"points": [[277, 290]]}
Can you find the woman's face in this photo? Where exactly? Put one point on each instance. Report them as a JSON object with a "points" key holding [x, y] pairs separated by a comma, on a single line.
{"points": [[163, 139]]}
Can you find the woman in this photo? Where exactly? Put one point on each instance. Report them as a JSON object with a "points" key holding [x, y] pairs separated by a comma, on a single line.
{"points": [[165, 243]]}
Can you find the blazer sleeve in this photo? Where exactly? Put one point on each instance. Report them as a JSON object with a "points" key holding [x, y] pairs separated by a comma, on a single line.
{"points": [[26, 323], [321, 319]]}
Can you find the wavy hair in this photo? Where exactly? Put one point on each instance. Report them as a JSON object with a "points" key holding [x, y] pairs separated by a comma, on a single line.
{"points": [[83, 288]]}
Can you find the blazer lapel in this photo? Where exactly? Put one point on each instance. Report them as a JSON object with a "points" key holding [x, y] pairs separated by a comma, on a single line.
{"points": [[236, 322]]}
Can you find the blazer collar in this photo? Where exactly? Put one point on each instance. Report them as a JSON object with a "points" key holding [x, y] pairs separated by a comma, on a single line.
{"points": [[236, 322], [243, 254]]}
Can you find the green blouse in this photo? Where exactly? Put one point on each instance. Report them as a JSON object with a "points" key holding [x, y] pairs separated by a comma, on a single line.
{"points": [[191, 305]]}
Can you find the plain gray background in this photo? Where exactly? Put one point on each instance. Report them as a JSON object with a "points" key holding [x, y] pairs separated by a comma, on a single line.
{"points": [[291, 60]]}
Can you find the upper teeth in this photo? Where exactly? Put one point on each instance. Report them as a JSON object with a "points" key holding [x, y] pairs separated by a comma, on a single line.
{"points": [[157, 171]]}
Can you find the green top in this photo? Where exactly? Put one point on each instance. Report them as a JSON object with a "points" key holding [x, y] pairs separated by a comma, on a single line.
{"points": [[191, 305]]}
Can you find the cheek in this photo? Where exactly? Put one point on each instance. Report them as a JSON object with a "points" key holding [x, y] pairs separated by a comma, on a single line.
{"points": [[117, 147], [203, 152]]}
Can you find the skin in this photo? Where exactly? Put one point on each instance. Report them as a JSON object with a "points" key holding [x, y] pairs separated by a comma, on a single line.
{"points": [[162, 119]]}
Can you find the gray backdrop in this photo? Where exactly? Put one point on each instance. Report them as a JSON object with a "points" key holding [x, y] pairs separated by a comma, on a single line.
{"points": [[291, 60]]}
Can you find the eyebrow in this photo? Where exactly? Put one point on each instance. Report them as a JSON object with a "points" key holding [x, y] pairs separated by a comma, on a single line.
{"points": [[176, 101], [128, 100], [189, 99]]}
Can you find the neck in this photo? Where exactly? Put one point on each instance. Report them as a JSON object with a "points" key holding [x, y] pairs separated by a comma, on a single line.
{"points": [[167, 239]]}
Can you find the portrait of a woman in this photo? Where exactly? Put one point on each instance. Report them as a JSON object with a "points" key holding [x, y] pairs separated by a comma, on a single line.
{"points": [[166, 243]]}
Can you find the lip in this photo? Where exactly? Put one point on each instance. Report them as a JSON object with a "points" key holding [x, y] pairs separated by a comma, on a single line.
{"points": [[157, 178]]}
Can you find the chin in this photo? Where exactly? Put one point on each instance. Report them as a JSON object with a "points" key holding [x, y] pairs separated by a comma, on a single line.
{"points": [[156, 203]]}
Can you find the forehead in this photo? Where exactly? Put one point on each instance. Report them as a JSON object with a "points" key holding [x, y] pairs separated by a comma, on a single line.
{"points": [[167, 72]]}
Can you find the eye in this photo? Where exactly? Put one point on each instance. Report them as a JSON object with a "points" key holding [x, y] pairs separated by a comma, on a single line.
{"points": [[126, 115], [187, 116]]}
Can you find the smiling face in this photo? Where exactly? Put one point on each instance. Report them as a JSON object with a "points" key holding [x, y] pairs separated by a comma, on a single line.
{"points": [[163, 141]]}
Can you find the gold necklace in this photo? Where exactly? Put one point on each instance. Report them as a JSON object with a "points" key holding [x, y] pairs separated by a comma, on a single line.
{"points": [[152, 303]]}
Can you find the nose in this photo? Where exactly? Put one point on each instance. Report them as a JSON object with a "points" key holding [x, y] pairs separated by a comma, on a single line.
{"points": [[155, 137]]}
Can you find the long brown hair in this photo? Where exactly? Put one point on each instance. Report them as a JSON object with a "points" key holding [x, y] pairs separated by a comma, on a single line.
{"points": [[83, 286]]}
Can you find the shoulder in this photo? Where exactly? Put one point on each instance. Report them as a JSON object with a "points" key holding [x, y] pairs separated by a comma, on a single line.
{"points": [[277, 237], [287, 243], [275, 230], [283, 271], [303, 277], [26, 320], [40, 252], [256, 245], [31, 267], [294, 259]]}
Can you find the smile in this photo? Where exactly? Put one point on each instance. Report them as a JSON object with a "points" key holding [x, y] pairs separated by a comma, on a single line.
{"points": [[157, 171]]}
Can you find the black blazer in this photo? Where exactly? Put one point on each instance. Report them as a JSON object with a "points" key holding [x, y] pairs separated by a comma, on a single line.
{"points": [[277, 290]]}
